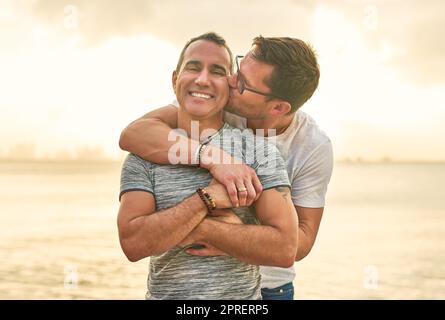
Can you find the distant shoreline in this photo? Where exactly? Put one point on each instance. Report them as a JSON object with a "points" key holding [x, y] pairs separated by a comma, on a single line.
{"points": [[386, 161], [104, 161], [114, 161]]}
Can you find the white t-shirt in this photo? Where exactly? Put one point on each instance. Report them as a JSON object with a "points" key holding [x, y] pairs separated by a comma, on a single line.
{"points": [[307, 151], [308, 154]]}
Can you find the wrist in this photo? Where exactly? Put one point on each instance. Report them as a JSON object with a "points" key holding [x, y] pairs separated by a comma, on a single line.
{"points": [[212, 156], [206, 199], [197, 205], [204, 156], [200, 231]]}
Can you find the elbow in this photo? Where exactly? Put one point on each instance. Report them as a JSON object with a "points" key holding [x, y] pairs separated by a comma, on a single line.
{"points": [[124, 142], [132, 257], [131, 254], [302, 254], [131, 251], [288, 257], [289, 252]]}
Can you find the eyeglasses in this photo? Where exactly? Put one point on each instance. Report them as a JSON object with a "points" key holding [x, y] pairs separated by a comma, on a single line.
{"points": [[241, 83]]}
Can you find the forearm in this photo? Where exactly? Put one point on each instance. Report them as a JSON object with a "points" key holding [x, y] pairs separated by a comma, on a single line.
{"points": [[305, 244], [153, 140], [155, 233], [254, 244]]}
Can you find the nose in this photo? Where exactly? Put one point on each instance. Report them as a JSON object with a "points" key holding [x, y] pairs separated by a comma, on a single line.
{"points": [[203, 79]]}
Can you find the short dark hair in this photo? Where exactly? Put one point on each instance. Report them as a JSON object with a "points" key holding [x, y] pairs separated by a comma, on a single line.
{"points": [[296, 72], [209, 36]]}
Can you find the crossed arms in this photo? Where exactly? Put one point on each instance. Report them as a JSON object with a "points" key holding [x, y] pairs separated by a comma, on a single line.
{"points": [[143, 233], [147, 137]]}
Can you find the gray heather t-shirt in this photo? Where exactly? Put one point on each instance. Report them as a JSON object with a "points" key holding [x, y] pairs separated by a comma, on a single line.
{"points": [[175, 274]]}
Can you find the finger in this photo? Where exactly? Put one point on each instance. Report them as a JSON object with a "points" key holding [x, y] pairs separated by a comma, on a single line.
{"points": [[251, 193], [257, 185], [242, 195], [233, 194]]}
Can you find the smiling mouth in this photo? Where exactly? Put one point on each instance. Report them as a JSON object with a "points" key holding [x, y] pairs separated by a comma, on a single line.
{"points": [[201, 95]]}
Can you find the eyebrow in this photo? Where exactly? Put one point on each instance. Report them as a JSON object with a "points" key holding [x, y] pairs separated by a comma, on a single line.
{"points": [[199, 63], [192, 62]]}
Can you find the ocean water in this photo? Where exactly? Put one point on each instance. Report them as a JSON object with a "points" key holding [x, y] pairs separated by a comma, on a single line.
{"points": [[382, 235]]}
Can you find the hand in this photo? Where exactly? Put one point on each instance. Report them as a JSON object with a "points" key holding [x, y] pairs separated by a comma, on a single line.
{"points": [[219, 194], [236, 175], [206, 250], [223, 215]]}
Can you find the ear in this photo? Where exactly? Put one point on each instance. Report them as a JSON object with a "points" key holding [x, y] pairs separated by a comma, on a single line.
{"points": [[174, 79], [280, 108]]}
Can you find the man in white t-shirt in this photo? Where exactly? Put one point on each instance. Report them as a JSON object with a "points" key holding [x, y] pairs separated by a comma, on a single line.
{"points": [[275, 78]]}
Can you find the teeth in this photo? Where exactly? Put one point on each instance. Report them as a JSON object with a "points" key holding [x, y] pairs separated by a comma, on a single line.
{"points": [[200, 95]]}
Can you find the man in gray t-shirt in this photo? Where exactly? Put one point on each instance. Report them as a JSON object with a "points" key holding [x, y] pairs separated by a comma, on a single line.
{"points": [[174, 274], [161, 215]]}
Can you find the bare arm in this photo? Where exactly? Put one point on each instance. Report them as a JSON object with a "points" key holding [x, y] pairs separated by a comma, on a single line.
{"points": [[148, 137], [309, 222], [143, 233], [273, 243]]}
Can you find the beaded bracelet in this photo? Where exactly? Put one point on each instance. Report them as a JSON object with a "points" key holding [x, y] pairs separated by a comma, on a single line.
{"points": [[205, 197], [210, 199]]}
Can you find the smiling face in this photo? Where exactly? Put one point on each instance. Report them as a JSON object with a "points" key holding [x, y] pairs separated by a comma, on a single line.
{"points": [[201, 85]]}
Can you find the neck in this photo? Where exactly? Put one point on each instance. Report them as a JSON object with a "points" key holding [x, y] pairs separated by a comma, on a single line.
{"points": [[195, 126], [279, 124]]}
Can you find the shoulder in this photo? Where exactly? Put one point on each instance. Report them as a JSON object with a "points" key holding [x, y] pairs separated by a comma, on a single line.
{"points": [[133, 161], [308, 126], [308, 136], [235, 120], [250, 140]]}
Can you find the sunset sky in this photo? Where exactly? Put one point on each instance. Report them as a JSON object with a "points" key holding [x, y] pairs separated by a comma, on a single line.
{"points": [[75, 73]]}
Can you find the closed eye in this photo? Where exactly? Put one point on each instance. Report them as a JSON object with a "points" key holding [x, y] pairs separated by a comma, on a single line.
{"points": [[192, 66], [218, 70]]}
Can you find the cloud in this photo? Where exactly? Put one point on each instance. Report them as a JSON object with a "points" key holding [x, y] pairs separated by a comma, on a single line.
{"points": [[407, 32], [416, 29], [179, 20]]}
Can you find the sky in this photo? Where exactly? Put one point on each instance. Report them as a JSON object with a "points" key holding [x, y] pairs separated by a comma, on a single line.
{"points": [[74, 73]]}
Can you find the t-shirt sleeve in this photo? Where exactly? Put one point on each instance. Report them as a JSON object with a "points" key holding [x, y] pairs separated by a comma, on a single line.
{"points": [[310, 184], [136, 175], [270, 166]]}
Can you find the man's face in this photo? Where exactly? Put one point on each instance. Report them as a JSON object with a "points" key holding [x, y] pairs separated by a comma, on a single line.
{"points": [[250, 104], [201, 86]]}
